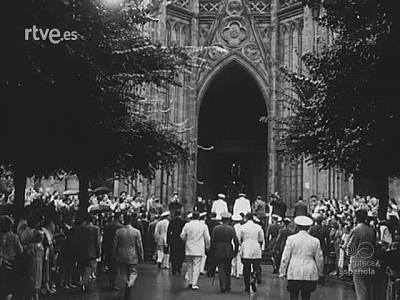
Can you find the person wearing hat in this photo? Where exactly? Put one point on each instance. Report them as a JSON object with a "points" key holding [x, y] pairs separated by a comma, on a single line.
{"points": [[271, 236], [197, 241], [160, 236], [237, 266], [222, 251], [251, 239], [280, 243], [321, 232], [242, 205], [219, 206], [175, 243], [302, 261]]}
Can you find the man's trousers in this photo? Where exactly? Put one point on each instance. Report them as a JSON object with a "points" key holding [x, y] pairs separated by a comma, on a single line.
{"points": [[193, 269], [250, 264], [224, 274]]}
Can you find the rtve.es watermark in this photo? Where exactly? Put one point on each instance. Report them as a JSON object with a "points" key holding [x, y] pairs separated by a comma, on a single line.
{"points": [[53, 35]]}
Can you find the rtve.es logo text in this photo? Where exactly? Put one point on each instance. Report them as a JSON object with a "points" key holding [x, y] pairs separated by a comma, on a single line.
{"points": [[53, 35]]}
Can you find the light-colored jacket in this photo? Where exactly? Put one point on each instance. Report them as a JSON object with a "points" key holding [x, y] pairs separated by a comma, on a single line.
{"points": [[302, 258], [251, 239], [219, 206], [238, 230], [128, 246], [160, 233], [197, 238], [242, 205]]}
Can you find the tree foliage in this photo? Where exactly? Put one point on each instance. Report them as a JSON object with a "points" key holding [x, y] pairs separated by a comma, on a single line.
{"points": [[74, 105], [347, 105]]}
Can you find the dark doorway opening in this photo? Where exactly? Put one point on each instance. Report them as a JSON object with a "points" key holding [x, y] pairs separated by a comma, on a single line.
{"points": [[229, 122]]}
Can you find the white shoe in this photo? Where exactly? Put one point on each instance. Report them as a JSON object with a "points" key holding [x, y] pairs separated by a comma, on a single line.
{"points": [[195, 287]]}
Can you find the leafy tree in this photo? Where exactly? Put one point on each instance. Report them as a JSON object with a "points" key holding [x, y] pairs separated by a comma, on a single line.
{"points": [[74, 105], [347, 106]]}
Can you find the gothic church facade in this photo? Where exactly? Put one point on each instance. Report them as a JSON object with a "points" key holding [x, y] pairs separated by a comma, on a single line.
{"points": [[238, 47]]}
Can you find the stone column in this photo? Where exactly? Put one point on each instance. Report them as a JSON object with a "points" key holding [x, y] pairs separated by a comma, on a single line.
{"points": [[273, 107]]}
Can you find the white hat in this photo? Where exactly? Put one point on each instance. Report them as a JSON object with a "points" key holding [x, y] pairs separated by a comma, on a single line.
{"points": [[165, 214], [303, 221], [278, 217], [317, 216], [221, 196], [190, 215], [203, 214], [255, 219], [236, 218], [242, 195], [219, 218], [226, 215]]}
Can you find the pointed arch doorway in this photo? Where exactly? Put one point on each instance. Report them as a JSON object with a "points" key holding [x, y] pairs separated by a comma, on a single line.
{"points": [[232, 153]]}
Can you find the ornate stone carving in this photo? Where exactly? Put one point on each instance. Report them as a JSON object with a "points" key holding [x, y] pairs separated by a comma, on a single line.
{"points": [[234, 8], [209, 7], [204, 30], [260, 6], [234, 34], [216, 52], [181, 3], [185, 41], [252, 52], [287, 3]]}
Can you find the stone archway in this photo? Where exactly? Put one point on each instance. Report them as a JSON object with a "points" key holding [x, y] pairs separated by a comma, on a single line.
{"points": [[233, 144]]}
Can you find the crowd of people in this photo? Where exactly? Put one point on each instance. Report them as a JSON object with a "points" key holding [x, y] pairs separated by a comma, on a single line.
{"points": [[52, 247]]}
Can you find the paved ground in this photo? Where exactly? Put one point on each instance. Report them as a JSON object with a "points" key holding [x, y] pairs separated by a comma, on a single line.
{"points": [[154, 284]]}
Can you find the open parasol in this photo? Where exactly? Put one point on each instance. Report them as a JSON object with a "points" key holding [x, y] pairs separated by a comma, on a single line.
{"points": [[70, 192]]}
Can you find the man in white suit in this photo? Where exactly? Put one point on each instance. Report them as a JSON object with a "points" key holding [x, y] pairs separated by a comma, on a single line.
{"points": [[302, 261], [219, 206], [241, 206], [252, 239], [160, 236], [197, 240]]}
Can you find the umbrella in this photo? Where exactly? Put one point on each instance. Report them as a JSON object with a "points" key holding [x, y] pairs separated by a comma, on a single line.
{"points": [[70, 192], [98, 208], [102, 190]]}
